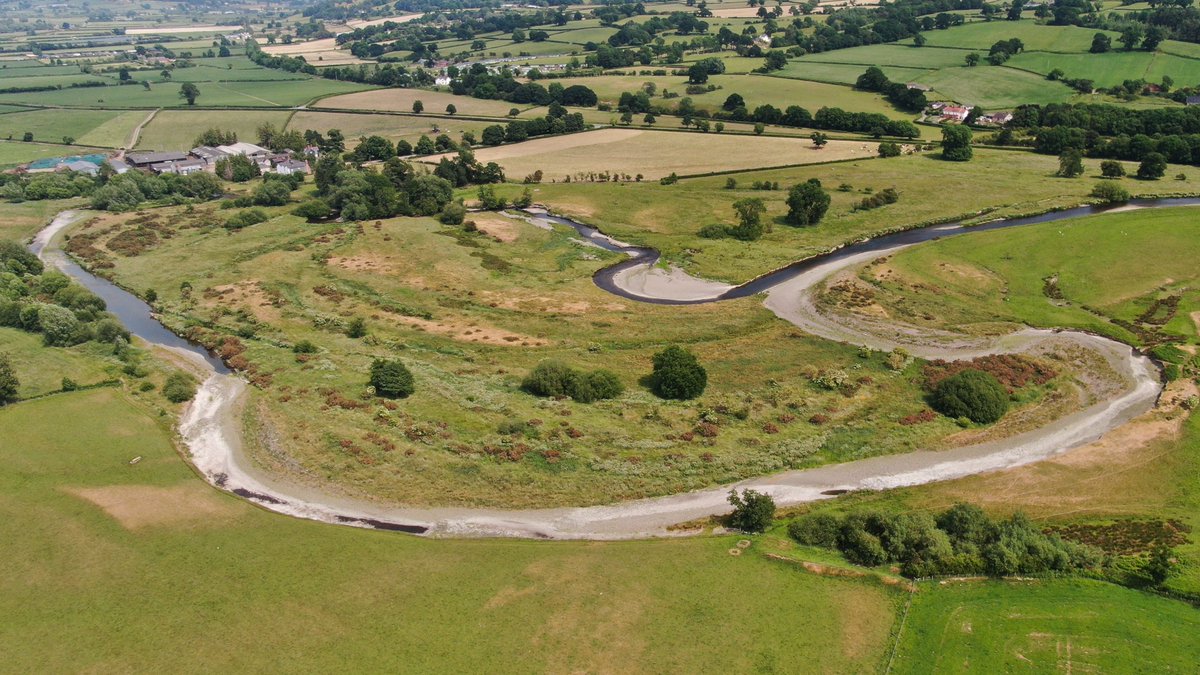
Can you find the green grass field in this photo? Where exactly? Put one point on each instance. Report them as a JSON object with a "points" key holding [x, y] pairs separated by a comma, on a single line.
{"points": [[268, 93], [1112, 68], [1081, 253], [895, 55], [994, 86], [393, 127], [41, 370], [178, 129], [1046, 626], [13, 153], [844, 73], [145, 568], [979, 36], [106, 128]]}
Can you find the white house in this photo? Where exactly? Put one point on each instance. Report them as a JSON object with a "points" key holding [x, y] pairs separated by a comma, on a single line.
{"points": [[291, 166]]}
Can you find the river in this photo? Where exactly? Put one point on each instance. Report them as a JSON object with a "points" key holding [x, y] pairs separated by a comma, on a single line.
{"points": [[211, 427]]}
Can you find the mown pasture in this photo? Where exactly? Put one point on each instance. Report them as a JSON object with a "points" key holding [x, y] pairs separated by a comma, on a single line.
{"points": [[144, 567]]}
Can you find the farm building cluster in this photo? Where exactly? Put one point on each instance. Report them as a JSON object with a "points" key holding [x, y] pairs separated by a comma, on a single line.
{"points": [[202, 158]]}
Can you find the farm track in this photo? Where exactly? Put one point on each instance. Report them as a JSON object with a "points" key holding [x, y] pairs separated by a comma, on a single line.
{"points": [[211, 426]]}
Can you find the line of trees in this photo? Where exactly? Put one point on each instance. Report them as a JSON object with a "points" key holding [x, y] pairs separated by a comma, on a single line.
{"points": [[961, 540]]}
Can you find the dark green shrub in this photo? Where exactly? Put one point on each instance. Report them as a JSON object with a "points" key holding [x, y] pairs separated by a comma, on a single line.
{"points": [[752, 511], [820, 529], [391, 379], [246, 219], [549, 378], [1110, 193], [714, 231], [179, 387], [357, 327], [677, 374], [558, 380], [973, 394], [605, 384], [304, 347]]}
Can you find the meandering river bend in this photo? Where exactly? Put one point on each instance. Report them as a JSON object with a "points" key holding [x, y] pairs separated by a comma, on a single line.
{"points": [[211, 427]]}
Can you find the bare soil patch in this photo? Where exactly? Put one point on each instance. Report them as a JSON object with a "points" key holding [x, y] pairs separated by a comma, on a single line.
{"points": [[464, 331], [248, 294], [138, 506]]}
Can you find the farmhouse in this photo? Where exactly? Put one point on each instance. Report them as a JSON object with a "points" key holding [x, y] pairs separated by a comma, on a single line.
{"points": [[955, 113], [291, 166]]}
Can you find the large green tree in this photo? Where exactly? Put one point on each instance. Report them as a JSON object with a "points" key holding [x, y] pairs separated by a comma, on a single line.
{"points": [[956, 143], [190, 92], [807, 203], [677, 374]]}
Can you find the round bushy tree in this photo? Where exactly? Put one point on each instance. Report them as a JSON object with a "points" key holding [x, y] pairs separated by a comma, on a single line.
{"points": [[391, 379], [677, 374], [1153, 166], [752, 511], [807, 203], [973, 394]]}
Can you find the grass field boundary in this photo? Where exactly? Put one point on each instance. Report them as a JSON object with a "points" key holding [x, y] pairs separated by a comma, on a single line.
{"points": [[912, 589], [727, 172], [103, 384]]}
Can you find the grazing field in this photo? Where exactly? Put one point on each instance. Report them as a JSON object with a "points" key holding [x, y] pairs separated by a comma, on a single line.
{"points": [[1046, 626], [927, 58], [755, 89], [668, 217], [22, 220], [41, 370], [178, 129], [401, 100], [1113, 68], [654, 154], [392, 127], [106, 128], [17, 152], [145, 568], [268, 93], [994, 86], [1079, 255], [844, 73], [981, 35]]}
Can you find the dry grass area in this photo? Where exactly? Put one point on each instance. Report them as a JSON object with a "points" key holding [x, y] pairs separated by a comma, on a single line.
{"points": [[655, 154], [317, 52], [401, 100], [139, 506], [1118, 473]]}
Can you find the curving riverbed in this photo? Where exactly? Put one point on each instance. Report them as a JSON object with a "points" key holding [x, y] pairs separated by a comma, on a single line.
{"points": [[211, 429]]}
